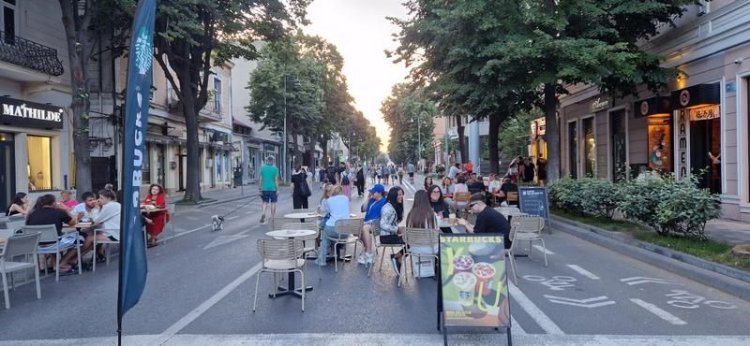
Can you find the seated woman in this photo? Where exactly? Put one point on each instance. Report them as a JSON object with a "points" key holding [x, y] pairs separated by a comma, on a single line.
{"points": [[438, 205], [155, 200], [107, 223], [47, 212], [460, 186], [67, 201], [447, 189], [427, 183], [338, 208], [422, 215], [390, 216], [19, 206]]}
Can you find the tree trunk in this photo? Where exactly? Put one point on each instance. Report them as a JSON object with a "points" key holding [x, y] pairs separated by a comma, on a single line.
{"points": [[324, 146], [78, 44], [553, 132], [461, 146], [193, 183], [493, 134]]}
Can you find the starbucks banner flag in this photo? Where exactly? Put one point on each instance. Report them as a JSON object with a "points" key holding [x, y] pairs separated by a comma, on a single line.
{"points": [[132, 250]]}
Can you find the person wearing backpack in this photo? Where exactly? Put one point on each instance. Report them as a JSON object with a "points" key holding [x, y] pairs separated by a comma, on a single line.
{"points": [[346, 183], [301, 190]]}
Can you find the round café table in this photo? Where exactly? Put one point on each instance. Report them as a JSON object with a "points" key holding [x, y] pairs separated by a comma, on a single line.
{"points": [[302, 216], [290, 234]]}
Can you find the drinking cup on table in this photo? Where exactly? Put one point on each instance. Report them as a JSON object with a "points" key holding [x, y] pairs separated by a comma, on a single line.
{"points": [[80, 216], [452, 218]]}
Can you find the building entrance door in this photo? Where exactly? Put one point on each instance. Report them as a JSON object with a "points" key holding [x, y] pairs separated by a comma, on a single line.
{"points": [[705, 150], [7, 170], [181, 170], [619, 144]]}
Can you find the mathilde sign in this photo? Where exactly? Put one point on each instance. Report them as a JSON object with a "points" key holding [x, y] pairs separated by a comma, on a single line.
{"points": [[30, 114]]}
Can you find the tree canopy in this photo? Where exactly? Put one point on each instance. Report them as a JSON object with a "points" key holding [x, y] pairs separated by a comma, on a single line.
{"points": [[409, 113]]}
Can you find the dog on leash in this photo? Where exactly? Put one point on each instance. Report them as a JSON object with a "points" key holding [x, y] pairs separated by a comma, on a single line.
{"points": [[217, 223]]}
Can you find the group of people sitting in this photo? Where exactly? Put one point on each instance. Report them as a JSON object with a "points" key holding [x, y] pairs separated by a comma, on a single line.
{"points": [[496, 191], [99, 213], [384, 211]]}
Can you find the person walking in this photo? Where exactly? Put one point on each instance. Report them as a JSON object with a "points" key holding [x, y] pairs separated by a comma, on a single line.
{"points": [[410, 169], [346, 182], [360, 182], [301, 190], [269, 182]]}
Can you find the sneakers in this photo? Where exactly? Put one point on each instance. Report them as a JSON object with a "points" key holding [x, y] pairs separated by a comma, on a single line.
{"points": [[263, 219], [362, 258], [395, 265]]}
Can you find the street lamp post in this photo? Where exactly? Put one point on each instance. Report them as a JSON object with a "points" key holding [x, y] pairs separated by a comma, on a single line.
{"points": [[283, 153], [419, 139]]}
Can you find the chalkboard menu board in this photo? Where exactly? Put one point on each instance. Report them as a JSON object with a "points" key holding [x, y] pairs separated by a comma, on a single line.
{"points": [[533, 201]]}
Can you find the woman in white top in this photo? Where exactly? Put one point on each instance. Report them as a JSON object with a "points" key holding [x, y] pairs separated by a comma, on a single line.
{"points": [[338, 208]]}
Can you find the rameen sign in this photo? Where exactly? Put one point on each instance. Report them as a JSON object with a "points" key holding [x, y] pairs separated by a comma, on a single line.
{"points": [[30, 114]]}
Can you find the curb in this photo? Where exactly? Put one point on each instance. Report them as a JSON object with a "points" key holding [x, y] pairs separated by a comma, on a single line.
{"points": [[719, 276]]}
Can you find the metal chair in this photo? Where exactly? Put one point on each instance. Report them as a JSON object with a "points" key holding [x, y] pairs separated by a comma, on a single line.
{"points": [[417, 239], [171, 210], [379, 245], [54, 244], [14, 225], [280, 256], [105, 243], [18, 246], [512, 198], [349, 231], [460, 202], [529, 228]]}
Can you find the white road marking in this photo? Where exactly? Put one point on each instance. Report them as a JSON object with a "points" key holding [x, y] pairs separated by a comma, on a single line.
{"points": [[583, 272], [226, 239], [584, 303], [637, 280], [515, 327], [659, 312], [539, 317], [210, 302], [541, 249], [180, 234]]}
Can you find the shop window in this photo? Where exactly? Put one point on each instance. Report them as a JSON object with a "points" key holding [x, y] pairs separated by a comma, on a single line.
{"points": [[217, 95], [573, 149], [659, 144], [39, 168], [146, 171], [619, 144], [589, 147]]}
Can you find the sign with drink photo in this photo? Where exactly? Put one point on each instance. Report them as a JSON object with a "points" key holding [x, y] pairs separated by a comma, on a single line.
{"points": [[474, 285]]}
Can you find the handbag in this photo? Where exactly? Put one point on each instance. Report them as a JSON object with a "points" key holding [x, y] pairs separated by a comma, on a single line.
{"points": [[305, 189]]}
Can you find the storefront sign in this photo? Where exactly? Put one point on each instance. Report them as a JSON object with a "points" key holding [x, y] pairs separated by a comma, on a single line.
{"points": [[652, 106], [706, 112], [30, 114], [696, 95], [599, 105], [682, 135], [659, 144], [474, 287]]}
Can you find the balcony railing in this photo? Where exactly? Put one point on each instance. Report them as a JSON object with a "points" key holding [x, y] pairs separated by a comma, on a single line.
{"points": [[20, 51]]}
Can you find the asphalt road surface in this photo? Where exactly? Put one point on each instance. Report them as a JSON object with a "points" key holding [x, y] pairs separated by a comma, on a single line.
{"points": [[201, 284]]}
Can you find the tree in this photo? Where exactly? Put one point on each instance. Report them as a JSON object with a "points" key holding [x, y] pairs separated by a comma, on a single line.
{"points": [[452, 47], [409, 113], [192, 36], [79, 40], [513, 140]]}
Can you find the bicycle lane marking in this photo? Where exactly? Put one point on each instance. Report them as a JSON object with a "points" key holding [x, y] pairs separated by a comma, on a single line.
{"points": [[663, 314], [536, 314]]}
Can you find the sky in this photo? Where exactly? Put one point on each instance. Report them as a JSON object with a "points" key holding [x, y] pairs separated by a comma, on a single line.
{"points": [[362, 33]]}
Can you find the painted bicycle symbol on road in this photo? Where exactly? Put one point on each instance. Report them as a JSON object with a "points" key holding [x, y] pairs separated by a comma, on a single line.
{"points": [[686, 300], [556, 283]]}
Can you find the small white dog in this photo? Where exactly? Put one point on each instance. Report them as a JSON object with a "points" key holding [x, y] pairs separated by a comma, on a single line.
{"points": [[217, 223]]}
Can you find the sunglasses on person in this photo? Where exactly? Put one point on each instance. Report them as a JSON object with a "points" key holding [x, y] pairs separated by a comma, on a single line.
{"points": [[471, 205]]}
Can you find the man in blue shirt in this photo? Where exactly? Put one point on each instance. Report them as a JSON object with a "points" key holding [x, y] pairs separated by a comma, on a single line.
{"points": [[372, 219], [268, 186]]}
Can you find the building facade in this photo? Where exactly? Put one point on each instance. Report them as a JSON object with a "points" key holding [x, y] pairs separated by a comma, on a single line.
{"points": [[699, 126], [35, 124]]}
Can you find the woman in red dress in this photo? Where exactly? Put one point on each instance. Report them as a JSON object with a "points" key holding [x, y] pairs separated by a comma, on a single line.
{"points": [[154, 208]]}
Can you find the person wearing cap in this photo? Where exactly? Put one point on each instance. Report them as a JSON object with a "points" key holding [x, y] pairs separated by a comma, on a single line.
{"points": [[372, 211], [488, 220]]}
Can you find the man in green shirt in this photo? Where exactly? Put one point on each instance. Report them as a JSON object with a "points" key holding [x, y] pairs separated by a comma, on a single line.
{"points": [[269, 182]]}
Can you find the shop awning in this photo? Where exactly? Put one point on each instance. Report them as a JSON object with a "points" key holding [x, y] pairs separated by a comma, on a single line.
{"points": [[652, 105], [697, 95]]}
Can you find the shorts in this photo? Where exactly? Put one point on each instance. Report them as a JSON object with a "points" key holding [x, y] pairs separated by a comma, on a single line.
{"points": [[391, 239], [269, 196]]}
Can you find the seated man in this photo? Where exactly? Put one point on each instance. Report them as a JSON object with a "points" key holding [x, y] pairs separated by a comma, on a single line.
{"points": [[88, 209], [506, 187], [475, 184], [488, 220], [107, 223], [373, 210]]}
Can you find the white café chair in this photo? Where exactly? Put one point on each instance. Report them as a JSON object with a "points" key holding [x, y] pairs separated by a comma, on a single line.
{"points": [[529, 228], [417, 241], [19, 246], [106, 243], [14, 225], [280, 256], [382, 248], [56, 244], [349, 231]]}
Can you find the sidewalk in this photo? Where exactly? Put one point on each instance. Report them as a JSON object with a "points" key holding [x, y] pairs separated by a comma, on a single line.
{"points": [[225, 195], [728, 231]]}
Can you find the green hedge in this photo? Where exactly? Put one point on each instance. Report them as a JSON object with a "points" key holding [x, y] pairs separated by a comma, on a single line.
{"points": [[662, 203]]}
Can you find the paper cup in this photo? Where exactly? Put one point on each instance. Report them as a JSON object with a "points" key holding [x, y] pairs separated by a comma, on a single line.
{"points": [[484, 273], [465, 283]]}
